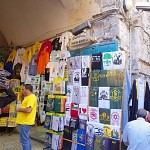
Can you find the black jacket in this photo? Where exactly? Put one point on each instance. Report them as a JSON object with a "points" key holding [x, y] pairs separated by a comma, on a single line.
{"points": [[134, 108], [11, 96]]}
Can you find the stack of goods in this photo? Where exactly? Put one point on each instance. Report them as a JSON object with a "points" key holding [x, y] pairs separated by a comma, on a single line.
{"points": [[3, 78]]}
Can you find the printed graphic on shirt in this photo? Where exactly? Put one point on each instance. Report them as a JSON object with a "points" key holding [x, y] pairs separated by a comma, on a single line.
{"points": [[99, 129], [69, 93], [103, 97], [97, 61], [84, 93], [61, 70], [95, 77], [108, 78], [71, 63], [108, 60], [50, 103], [93, 96], [77, 62], [85, 61], [76, 94], [104, 115], [115, 132], [74, 110], [85, 76], [54, 66], [94, 114], [90, 137], [68, 109], [67, 121], [107, 131], [115, 97], [59, 103], [83, 111], [55, 123], [57, 86], [82, 124], [116, 117], [77, 77], [119, 60], [70, 76], [81, 136]]}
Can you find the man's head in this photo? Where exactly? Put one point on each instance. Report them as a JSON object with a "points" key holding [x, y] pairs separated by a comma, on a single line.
{"points": [[142, 113], [27, 89]]}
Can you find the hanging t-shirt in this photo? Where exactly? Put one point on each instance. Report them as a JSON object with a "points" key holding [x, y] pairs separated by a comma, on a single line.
{"points": [[27, 55], [84, 95], [43, 60], [104, 97], [11, 56], [90, 137], [115, 115], [18, 58], [104, 115], [85, 76], [33, 65], [119, 60], [52, 68], [93, 96], [77, 77], [98, 143], [69, 93], [115, 97], [9, 67], [77, 62], [85, 61], [36, 48], [97, 61], [56, 45], [94, 114], [108, 60], [106, 144], [16, 71], [76, 94], [71, 63], [24, 71], [64, 39], [70, 76], [83, 111], [62, 69]]}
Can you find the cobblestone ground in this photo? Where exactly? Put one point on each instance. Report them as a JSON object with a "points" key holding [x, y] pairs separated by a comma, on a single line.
{"points": [[11, 142]]}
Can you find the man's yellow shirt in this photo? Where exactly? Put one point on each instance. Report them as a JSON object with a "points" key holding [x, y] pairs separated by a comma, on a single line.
{"points": [[27, 118]]}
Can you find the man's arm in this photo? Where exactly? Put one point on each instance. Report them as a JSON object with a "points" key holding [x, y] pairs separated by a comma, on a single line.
{"points": [[4, 101], [26, 110]]}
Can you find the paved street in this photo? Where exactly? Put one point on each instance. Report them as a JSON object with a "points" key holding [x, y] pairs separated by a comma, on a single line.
{"points": [[11, 142]]}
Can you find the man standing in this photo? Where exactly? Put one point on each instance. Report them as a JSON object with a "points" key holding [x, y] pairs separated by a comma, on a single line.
{"points": [[136, 134], [26, 116]]}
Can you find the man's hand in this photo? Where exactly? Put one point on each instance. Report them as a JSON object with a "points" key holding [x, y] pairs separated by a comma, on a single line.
{"points": [[18, 109]]}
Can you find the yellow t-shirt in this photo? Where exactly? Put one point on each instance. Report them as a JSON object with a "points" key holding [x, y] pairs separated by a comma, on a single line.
{"points": [[27, 118]]}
